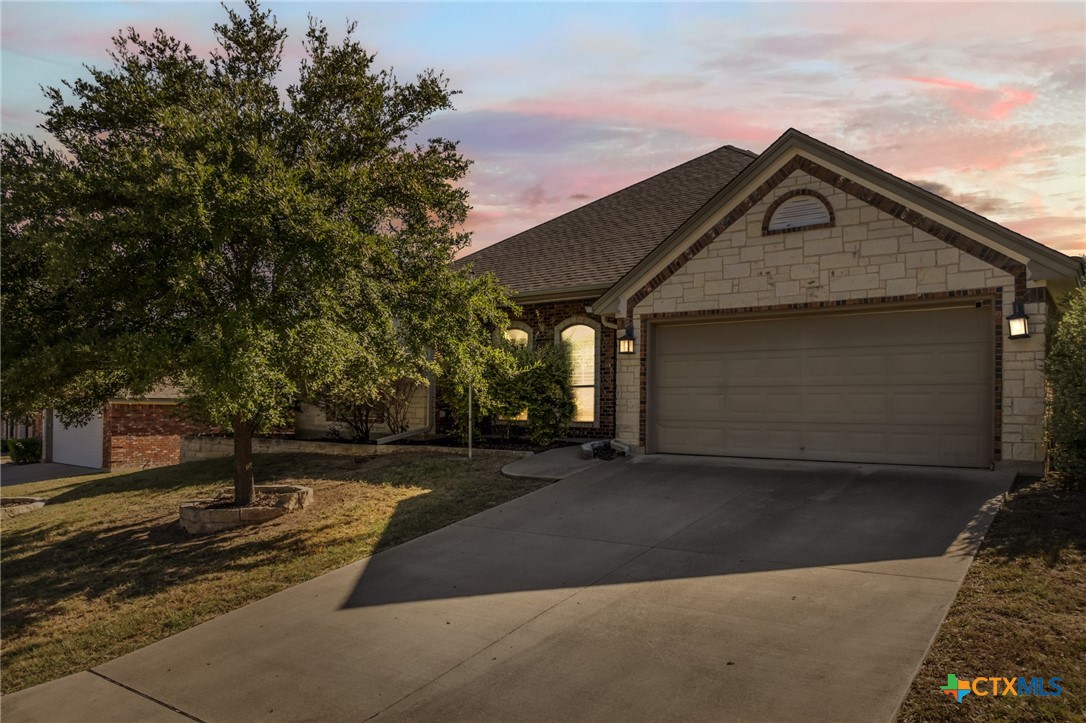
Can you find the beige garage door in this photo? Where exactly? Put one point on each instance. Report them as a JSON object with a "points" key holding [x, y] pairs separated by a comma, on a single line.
{"points": [[900, 387]]}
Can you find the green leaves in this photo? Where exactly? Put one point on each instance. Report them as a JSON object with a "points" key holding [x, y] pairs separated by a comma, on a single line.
{"points": [[198, 227], [1065, 368]]}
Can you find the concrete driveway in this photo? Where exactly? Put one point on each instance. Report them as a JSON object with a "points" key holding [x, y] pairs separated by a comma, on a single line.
{"points": [[17, 474], [661, 588]]}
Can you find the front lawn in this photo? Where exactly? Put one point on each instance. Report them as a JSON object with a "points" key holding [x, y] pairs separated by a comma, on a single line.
{"points": [[104, 568], [1020, 612]]}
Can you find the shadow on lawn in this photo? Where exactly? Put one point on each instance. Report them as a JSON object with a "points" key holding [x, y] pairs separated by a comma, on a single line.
{"points": [[1044, 518], [45, 564], [636, 522]]}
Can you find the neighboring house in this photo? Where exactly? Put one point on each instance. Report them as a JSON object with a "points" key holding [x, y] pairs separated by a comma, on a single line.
{"points": [[126, 434], [798, 304]]}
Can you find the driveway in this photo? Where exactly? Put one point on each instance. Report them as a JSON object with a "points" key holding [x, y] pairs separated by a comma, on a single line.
{"points": [[17, 474], [660, 588]]}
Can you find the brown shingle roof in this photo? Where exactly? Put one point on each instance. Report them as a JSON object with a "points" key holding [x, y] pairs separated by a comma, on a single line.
{"points": [[596, 244]]}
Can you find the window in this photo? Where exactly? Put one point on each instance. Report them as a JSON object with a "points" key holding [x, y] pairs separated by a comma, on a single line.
{"points": [[582, 340], [517, 336], [798, 209]]}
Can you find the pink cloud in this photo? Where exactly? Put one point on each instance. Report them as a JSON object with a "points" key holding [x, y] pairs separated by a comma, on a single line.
{"points": [[976, 102], [1063, 233]]}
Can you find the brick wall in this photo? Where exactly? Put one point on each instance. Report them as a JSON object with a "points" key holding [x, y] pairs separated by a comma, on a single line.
{"points": [[144, 435], [544, 319], [868, 254]]}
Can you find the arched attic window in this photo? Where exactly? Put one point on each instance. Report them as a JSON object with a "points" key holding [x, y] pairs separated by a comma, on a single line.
{"points": [[795, 210]]}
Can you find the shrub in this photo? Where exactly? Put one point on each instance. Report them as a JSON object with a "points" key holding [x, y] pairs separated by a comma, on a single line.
{"points": [[25, 451], [548, 387], [537, 379], [1066, 372]]}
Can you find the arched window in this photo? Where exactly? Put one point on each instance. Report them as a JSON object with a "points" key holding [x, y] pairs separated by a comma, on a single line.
{"points": [[584, 342], [802, 208], [517, 336], [518, 333]]}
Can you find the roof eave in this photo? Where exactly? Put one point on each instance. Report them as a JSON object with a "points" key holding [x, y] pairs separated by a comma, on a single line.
{"points": [[559, 293], [1044, 262]]}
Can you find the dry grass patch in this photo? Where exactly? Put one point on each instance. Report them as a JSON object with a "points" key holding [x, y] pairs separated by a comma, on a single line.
{"points": [[1021, 611], [105, 568]]}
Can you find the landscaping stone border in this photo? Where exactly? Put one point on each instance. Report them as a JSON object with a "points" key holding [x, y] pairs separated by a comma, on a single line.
{"points": [[197, 520], [29, 504], [207, 447]]}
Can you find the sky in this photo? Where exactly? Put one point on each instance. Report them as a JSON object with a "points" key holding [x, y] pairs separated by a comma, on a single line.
{"points": [[563, 103]]}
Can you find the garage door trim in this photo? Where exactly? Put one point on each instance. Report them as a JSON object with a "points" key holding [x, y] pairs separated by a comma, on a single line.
{"points": [[988, 298]]}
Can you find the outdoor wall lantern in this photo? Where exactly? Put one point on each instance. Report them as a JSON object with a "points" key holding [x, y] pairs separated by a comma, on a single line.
{"points": [[626, 341], [1018, 322]]}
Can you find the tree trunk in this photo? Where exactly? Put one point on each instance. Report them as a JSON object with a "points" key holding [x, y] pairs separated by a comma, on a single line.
{"points": [[243, 461]]}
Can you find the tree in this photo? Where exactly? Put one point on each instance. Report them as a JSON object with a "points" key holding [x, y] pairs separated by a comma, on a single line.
{"points": [[1066, 372], [519, 378], [193, 224]]}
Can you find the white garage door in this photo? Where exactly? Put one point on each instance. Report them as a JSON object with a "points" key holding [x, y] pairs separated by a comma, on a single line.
{"points": [[899, 387], [78, 445]]}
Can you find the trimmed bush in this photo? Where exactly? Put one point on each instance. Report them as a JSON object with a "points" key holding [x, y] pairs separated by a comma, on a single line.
{"points": [[1066, 371], [25, 451], [548, 390]]}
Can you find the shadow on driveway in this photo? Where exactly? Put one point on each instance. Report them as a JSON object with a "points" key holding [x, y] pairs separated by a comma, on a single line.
{"points": [[17, 474], [728, 519]]}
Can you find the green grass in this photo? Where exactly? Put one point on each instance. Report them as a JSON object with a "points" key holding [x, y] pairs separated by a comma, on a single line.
{"points": [[1021, 611], [105, 568]]}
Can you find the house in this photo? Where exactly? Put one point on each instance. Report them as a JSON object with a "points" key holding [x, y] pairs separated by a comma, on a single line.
{"points": [[798, 304], [128, 433]]}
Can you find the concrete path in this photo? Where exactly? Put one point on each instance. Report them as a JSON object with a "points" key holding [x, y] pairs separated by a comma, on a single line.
{"points": [[17, 474], [649, 589], [554, 464]]}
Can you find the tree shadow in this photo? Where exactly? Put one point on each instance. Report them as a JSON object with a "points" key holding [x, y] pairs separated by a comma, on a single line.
{"points": [[45, 564], [638, 522], [1043, 518]]}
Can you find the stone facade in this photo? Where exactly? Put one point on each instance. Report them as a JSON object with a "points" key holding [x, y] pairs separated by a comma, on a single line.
{"points": [[866, 256], [141, 435]]}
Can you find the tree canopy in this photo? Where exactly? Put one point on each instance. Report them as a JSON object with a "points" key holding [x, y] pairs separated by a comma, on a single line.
{"points": [[196, 225]]}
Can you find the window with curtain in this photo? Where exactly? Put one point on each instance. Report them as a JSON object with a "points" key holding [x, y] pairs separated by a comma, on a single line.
{"points": [[582, 340]]}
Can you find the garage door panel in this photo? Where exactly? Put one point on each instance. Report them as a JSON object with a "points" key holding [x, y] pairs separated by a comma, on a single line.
{"points": [[909, 387], [78, 445]]}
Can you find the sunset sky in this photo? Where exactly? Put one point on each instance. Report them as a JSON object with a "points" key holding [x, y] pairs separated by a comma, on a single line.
{"points": [[564, 103]]}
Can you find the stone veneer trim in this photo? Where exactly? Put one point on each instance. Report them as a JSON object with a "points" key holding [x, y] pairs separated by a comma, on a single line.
{"points": [[993, 294], [916, 219]]}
